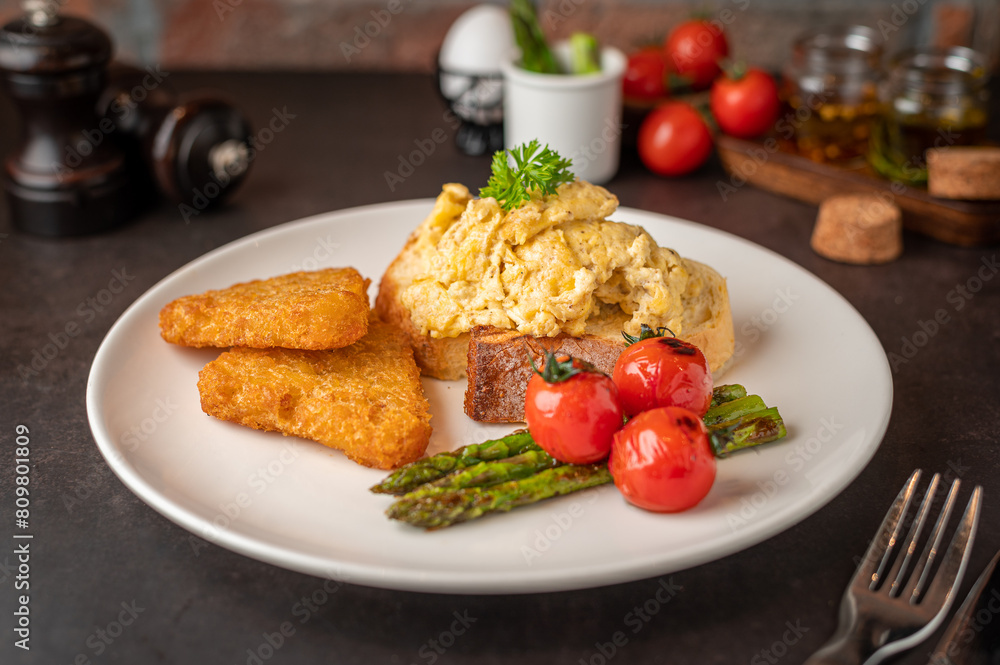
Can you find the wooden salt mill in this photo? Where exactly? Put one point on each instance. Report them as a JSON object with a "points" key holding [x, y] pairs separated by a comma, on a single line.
{"points": [[67, 176]]}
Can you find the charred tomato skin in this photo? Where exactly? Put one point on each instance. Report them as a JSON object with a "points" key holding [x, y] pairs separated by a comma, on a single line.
{"points": [[574, 419], [662, 460], [663, 371]]}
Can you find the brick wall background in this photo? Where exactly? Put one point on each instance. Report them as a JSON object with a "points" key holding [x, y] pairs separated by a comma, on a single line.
{"points": [[314, 34]]}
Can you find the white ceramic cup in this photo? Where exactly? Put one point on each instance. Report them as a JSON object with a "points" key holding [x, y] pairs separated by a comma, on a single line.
{"points": [[579, 116]]}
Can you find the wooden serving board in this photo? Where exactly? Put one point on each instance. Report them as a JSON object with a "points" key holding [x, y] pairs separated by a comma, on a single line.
{"points": [[966, 223]]}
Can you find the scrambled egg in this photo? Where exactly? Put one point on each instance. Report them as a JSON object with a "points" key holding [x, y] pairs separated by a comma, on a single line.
{"points": [[554, 265]]}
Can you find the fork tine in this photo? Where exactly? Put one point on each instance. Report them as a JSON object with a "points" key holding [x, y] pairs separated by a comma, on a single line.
{"points": [[942, 588], [926, 562], [881, 547], [898, 572]]}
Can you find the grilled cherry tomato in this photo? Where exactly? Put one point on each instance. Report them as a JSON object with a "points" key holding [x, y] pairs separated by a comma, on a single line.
{"points": [[572, 410], [645, 75], [745, 104], [657, 370], [662, 460], [693, 50], [674, 139]]}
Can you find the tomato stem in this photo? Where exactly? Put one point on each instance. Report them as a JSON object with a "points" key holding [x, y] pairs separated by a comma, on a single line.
{"points": [[560, 368], [646, 332], [735, 70]]}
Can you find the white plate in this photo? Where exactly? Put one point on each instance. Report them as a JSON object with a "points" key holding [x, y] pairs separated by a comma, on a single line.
{"points": [[305, 507]]}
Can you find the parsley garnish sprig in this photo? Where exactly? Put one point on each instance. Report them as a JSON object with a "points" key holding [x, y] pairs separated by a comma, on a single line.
{"points": [[535, 169]]}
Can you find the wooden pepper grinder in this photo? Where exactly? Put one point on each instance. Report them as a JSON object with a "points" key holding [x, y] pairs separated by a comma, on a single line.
{"points": [[67, 176], [195, 148]]}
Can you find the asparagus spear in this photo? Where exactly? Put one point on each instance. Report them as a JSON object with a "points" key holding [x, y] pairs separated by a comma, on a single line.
{"points": [[535, 53], [585, 56], [727, 393], [443, 507], [412, 475], [491, 473], [734, 409], [760, 427]]}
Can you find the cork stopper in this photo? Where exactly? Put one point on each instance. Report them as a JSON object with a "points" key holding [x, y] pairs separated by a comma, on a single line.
{"points": [[964, 172], [858, 228]]}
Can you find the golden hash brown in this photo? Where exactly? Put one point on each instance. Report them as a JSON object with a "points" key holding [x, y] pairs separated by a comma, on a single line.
{"points": [[321, 309], [364, 399]]}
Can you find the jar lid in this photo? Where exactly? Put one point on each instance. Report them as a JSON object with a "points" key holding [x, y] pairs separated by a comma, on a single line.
{"points": [[940, 71], [839, 49], [843, 60]]}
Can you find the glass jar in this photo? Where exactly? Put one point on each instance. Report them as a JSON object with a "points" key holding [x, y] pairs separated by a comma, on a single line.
{"points": [[830, 93], [931, 98]]}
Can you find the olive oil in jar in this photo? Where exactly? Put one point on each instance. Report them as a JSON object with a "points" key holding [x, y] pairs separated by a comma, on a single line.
{"points": [[830, 94], [932, 98]]}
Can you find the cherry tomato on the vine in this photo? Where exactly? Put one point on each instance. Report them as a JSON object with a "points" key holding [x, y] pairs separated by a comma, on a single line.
{"points": [[745, 104], [674, 139], [693, 49], [572, 411], [645, 75], [663, 371], [662, 460]]}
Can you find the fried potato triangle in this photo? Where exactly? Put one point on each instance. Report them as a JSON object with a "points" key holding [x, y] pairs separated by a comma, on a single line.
{"points": [[313, 310], [364, 399]]}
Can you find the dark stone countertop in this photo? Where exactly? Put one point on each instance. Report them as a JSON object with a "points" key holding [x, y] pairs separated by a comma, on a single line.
{"points": [[101, 555]]}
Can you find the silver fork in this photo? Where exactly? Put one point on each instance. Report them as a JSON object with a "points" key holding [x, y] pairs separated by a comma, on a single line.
{"points": [[889, 607]]}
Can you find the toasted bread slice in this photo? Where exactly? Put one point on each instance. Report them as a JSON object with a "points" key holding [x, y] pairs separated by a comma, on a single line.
{"points": [[321, 309], [499, 370], [364, 399]]}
